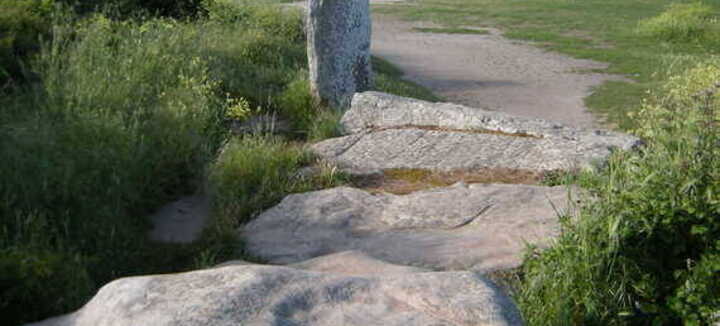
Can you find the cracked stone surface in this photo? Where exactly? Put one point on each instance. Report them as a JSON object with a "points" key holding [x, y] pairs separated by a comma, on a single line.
{"points": [[318, 292], [479, 227], [391, 132]]}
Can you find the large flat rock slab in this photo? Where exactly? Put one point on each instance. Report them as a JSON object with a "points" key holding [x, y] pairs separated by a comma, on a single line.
{"points": [[390, 132], [372, 152], [480, 227], [372, 110], [314, 293]]}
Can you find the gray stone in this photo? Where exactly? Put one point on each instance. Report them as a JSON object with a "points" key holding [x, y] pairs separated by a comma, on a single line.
{"points": [[390, 132], [480, 227], [315, 293], [372, 152], [338, 33], [372, 110]]}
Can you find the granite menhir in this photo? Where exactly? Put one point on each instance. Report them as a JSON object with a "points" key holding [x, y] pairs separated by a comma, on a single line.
{"points": [[338, 33]]}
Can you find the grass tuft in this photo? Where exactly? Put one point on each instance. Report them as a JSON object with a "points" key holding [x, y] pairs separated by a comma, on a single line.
{"points": [[682, 22], [451, 30]]}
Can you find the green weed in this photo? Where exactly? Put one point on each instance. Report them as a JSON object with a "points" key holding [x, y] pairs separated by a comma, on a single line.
{"points": [[682, 22], [326, 125], [253, 172], [643, 249]]}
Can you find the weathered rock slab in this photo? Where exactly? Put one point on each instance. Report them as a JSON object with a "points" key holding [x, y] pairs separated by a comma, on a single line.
{"points": [[480, 227], [371, 152], [390, 132], [338, 33], [371, 110], [250, 294]]}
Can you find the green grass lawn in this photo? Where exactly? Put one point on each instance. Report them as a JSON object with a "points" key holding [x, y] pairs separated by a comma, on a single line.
{"points": [[602, 30]]}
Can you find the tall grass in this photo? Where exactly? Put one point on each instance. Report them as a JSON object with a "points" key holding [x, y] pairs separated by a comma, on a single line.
{"points": [[683, 22], [124, 120], [644, 248], [127, 116], [254, 172]]}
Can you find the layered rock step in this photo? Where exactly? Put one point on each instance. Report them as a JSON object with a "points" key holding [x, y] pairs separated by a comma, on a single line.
{"points": [[479, 227], [343, 289], [390, 132]]}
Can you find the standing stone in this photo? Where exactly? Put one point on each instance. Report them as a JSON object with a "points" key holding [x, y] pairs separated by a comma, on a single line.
{"points": [[338, 33]]}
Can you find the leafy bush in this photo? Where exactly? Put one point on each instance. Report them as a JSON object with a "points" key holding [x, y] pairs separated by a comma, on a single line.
{"points": [[129, 8], [262, 59], [261, 15], [325, 125], [297, 104], [22, 23], [39, 279], [697, 299], [682, 22], [125, 120], [643, 249]]}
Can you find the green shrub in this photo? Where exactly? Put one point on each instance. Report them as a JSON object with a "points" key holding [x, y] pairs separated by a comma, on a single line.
{"points": [[297, 104], [697, 299], [39, 278], [126, 119], [263, 15], [130, 8], [22, 24], [261, 60], [682, 22], [325, 125], [643, 249]]}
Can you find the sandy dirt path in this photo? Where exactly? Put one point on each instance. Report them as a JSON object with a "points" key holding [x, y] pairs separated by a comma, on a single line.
{"points": [[489, 71]]}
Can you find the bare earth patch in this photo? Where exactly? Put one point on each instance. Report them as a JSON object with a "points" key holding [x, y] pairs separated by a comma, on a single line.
{"points": [[406, 181], [181, 221]]}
